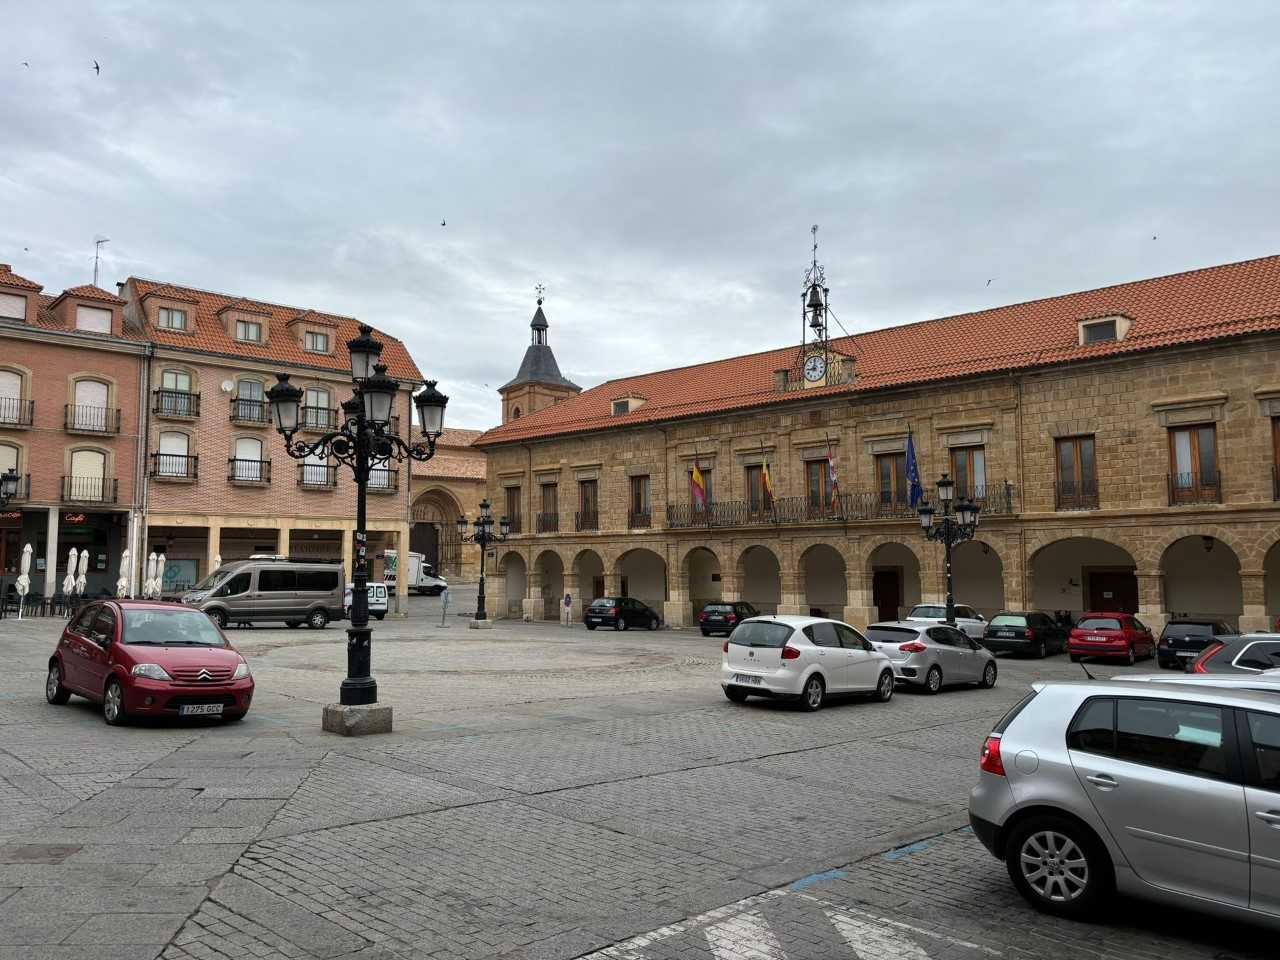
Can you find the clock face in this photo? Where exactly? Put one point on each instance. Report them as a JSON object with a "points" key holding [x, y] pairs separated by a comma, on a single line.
{"points": [[815, 368]]}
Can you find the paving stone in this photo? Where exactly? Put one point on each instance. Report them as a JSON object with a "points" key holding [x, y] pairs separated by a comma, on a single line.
{"points": [[292, 923], [133, 928]]}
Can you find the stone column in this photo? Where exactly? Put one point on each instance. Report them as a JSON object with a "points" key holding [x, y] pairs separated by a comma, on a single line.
{"points": [[792, 601], [402, 571], [933, 576], [282, 542], [676, 610], [495, 589], [533, 607], [213, 548], [571, 587], [51, 554], [861, 609], [1253, 584], [612, 584], [1151, 600], [730, 588]]}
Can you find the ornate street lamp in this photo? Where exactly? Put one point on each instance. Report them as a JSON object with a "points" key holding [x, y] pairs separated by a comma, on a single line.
{"points": [[8, 485], [483, 537], [363, 437], [950, 529]]}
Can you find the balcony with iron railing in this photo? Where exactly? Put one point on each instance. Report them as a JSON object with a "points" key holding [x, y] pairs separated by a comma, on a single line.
{"points": [[1193, 488], [86, 418], [16, 412], [547, 523], [639, 519], [383, 480], [317, 476], [90, 489], [586, 520], [517, 526], [176, 404], [174, 466], [249, 411], [318, 419], [249, 472], [1075, 495]]}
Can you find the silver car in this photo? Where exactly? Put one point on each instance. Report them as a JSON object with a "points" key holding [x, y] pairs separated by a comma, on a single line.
{"points": [[1169, 792], [969, 620], [930, 655]]}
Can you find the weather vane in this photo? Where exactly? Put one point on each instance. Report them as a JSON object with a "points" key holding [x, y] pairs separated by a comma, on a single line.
{"points": [[815, 273], [542, 290]]}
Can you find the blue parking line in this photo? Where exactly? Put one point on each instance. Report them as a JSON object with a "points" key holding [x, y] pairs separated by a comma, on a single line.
{"points": [[906, 851], [814, 878]]}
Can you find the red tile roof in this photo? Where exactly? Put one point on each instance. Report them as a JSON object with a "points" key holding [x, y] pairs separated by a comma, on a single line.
{"points": [[10, 279], [282, 345], [90, 292], [444, 466], [45, 317], [1209, 304]]}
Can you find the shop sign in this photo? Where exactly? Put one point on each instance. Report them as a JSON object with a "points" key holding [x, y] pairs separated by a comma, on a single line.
{"points": [[75, 518]]}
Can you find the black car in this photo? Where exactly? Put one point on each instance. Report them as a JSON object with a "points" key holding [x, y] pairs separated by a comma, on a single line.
{"points": [[723, 616], [1184, 638], [1024, 631], [1247, 653], [620, 613]]}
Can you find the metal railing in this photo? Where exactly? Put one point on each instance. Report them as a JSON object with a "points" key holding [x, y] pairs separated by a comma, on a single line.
{"points": [[547, 523], [639, 519], [174, 466], [318, 418], [317, 476], [586, 520], [90, 489], [248, 410], [1187, 488], [84, 418], [248, 471], [176, 403], [516, 525], [1075, 495], [383, 479], [16, 412]]}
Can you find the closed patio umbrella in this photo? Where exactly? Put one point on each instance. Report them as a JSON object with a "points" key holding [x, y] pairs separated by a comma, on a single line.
{"points": [[122, 585], [149, 581], [69, 581], [82, 573], [23, 586], [159, 575], [217, 561]]}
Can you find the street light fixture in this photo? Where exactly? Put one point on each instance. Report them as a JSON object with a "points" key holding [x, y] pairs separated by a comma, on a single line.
{"points": [[8, 485], [483, 537], [950, 529], [363, 437]]}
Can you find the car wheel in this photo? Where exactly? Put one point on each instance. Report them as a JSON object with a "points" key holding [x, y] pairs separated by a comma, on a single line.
{"points": [[653, 623], [219, 617], [1059, 867], [54, 691], [933, 679], [884, 689], [317, 619], [1041, 651], [706, 633], [591, 626], [293, 624], [379, 616], [113, 703], [989, 675], [1130, 658], [233, 717], [620, 623], [736, 694], [814, 693], [1075, 658]]}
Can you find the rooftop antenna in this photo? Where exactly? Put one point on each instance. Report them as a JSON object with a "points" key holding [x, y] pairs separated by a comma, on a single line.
{"points": [[97, 253]]}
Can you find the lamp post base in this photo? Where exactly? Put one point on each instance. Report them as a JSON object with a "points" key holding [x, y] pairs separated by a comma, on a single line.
{"points": [[356, 721], [479, 624]]}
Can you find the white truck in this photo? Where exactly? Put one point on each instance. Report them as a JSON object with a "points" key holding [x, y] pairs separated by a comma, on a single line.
{"points": [[422, 578]]}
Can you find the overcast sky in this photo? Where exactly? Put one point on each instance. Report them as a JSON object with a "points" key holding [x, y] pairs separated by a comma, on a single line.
{"points": [[657, 165]]}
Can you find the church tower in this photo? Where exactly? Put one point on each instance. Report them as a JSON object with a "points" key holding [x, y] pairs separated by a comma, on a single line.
{"points": [[539, 383]]}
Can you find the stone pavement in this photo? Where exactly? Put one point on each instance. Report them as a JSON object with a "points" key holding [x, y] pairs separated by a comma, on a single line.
{"points": [[548, 793]]}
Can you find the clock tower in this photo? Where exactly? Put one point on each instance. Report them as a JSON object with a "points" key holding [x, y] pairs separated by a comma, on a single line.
{"points": [[817, 363], [539, 383]]}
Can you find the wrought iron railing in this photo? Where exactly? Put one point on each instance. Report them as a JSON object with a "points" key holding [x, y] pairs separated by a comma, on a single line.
{"points": [[516, 525], [248, 410], [318, 418], [174, 466], [248, 471], [383, 479], [317, 476], [586, 520], [547, 522], [1187, 488], [90, 489], [16, 412], [639, 519], [1075, 495], [86, 418], [176, 403]]}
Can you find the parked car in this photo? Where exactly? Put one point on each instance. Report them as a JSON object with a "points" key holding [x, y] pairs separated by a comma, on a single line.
{"points": [[1184, 638], [968, 619], [1162, 791], [1267, 681], [802, 658], [1026, 631], [377, 600], [724, 616], [1247, 653], [620, 613], [929, 655], [264, 589], [146, 658], [1110, 635]]}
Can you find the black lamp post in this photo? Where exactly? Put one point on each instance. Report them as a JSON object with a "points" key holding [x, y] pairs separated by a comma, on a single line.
{"points": [[483, 537], [8, 485], [950, 529], [363, 438]]}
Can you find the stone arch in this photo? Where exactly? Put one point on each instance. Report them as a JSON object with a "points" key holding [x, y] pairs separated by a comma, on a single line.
{"points": [[1081, 571], [1202, 578], [547, 583], [759, 576], [895, 570], [588, 570], [433, 530], [701, 573], [824, 581], [979, 576], [1152, 558], [513, 577], [642, 574]]}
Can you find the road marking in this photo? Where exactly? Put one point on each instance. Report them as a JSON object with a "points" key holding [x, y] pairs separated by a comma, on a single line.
{"points": [[888, 921], [872, 941], [744, 937]]}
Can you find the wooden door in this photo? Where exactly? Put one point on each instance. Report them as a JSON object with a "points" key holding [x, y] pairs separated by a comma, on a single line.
{"points": [[886, 593], [1113, 591]]}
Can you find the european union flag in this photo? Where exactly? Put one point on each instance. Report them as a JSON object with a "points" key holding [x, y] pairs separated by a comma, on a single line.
{"points": [[913, 472]]}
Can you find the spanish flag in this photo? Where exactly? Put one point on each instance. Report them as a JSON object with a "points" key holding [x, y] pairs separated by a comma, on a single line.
{"points": [[698, 487], [766, 482]]}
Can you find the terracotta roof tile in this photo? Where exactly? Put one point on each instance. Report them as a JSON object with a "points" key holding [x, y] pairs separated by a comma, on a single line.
{"points": [[281, 345], [10, 279], [444, 466], [90, 292], [1200, 305]]}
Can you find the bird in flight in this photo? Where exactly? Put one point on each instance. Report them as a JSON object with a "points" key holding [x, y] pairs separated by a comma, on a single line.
{"points": [[97, 69], [25, 63], [989, 281], [1153, 238], [442, 223]]}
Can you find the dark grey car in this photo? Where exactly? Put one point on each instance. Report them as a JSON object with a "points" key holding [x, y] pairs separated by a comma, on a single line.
{"points": [[1185, 638], [1247, 653]]}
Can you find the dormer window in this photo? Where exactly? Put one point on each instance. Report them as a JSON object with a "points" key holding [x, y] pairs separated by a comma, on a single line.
{"points": [[1103, 330], [621, 408], [316, 342], [93, 319], [170, 318], [249, 331], [12, 307]]}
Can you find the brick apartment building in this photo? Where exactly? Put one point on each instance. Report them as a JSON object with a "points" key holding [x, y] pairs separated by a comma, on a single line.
{"points": [[449, 485], [139, 420], [1123, 443]]}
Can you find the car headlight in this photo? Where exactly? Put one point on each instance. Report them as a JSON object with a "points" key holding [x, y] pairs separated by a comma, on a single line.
{"points": [[242, 671], [152, 671]]}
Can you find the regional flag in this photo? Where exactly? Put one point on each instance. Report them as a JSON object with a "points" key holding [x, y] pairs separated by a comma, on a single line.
{"points": [[833, 477], [767, 483], [698, 487], [913, 472]]}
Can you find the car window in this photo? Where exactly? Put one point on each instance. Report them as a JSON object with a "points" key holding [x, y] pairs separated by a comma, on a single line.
{"points": [[927, 612], [1189, 630], [718, 608], [81, 625], [276, 581], [1008, 620], [941, 635], [749, 611], [1259, 655], [319, 580], [967, 612], [891, 634], [822, 634], [235, 586], [761, 633], [1138, 624], [1093, 729], [104, 624], [851, 638], [165, 626], [1098, 623], [1012, 715], [1264, 731], [1172, 735], [1223, 630]]}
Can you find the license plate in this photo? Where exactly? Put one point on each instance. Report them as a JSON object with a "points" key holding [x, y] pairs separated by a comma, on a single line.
{"points": [[593, 619], [1185, 653], [747, 678], [200, 709], [1006, 634], [1096, 639]]}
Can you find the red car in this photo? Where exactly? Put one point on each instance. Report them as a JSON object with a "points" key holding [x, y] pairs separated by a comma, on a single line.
{"points": [[1110, 635], [149, 659]]}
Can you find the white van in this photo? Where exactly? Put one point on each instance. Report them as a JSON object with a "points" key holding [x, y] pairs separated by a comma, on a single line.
{"points": [[377, 600]]}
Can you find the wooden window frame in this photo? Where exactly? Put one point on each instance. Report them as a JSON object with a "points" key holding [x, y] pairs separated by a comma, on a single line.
{"points": [[966, 453], [899, 490], [1085, 493]]}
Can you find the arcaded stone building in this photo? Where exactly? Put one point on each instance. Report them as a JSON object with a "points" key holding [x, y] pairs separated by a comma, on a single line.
{"points": [[1123, 443]]}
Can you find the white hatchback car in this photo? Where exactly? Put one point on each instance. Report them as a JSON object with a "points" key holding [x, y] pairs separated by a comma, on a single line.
{"points": [[802, 658]]}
